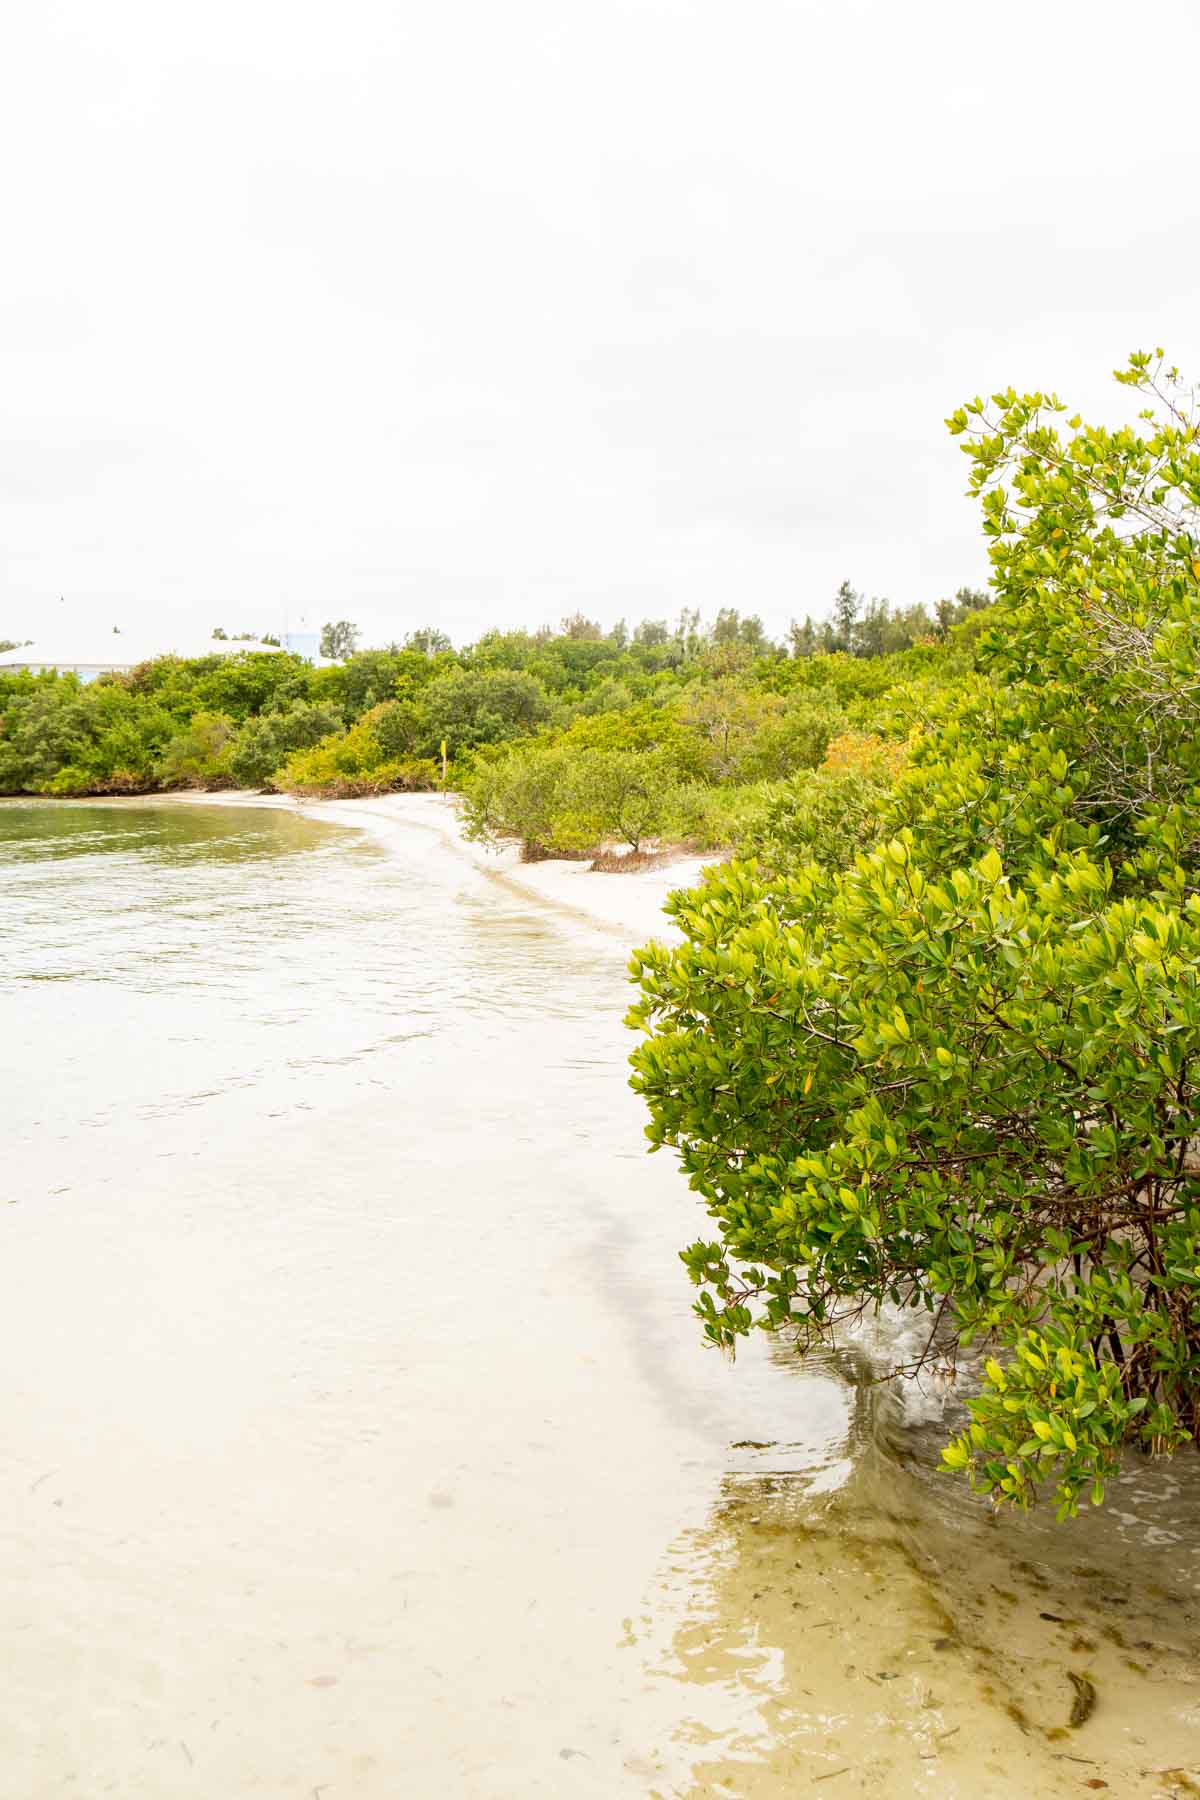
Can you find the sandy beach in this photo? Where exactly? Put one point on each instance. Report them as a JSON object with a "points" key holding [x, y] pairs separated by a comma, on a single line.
{"points": [[627, 903]]}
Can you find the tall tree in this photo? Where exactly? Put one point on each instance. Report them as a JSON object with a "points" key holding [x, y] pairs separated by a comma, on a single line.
{"points": [[802, 638], [339, 640], [577, 625], [428, 640], [651, 633], [845, 611]]}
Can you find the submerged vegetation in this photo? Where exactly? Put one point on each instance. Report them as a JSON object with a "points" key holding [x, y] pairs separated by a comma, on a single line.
{"points": [[936, 1043]]}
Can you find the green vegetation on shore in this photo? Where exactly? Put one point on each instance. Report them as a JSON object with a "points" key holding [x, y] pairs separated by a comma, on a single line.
{"points": [[937, 1043], [564, 740], [930, 1038]]}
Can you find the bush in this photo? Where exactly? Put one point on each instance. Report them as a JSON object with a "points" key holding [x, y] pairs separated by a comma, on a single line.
{"points": [[728, 719], [355, 763], [314, 775], [198, 756], [522, 797], [238, 686], [624, 796], [561, 799], [957, 1071], [722, 707], [797, 737], [826, 815], [265, 743], [58, 737], [717, 818], [468, 708]]}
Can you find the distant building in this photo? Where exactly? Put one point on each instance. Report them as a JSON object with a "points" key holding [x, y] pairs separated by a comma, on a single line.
{"points": [[304, 643], [117, 653]]}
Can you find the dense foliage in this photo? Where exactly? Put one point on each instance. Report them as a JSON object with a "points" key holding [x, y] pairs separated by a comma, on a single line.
{"points": [[938, 1047], [707, 758], [606, 736]]}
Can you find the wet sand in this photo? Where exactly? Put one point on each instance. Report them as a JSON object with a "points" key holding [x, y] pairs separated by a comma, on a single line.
{"points": [[630, 903]]}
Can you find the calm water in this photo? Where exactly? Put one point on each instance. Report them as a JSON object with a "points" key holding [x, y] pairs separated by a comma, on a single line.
{"points": [[358, 1439]]}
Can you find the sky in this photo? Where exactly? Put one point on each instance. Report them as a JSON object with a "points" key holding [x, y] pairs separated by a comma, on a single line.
{"points": [[478, 315]]}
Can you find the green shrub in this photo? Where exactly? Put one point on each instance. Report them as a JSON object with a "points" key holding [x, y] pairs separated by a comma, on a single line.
{"points": [[354, 763], [797, 737], [957, 1072], [521, 796], [717, 818], [562, 799], [315, 775], [469, 708], [729, 719], [265, 743], [58, 737], [826, 815], [621, 796], [199, 755]]}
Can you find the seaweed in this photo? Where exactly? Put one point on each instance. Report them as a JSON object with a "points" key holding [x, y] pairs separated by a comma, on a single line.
{"points": [[1084, 1703]]}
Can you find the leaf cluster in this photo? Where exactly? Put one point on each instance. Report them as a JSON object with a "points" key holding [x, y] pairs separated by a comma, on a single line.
{"points": [[948, 1064]]}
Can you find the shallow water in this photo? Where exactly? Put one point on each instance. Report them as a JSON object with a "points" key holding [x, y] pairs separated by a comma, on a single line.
{"points": [[357, 1435]]}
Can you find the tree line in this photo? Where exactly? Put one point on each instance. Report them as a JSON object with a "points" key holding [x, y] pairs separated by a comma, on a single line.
{"points": [[720, 704]]}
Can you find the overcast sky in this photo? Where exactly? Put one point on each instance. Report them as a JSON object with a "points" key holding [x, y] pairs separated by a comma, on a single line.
{"points": [[477, 313]]}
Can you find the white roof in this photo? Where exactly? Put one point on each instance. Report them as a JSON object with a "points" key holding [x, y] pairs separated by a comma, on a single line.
{"points": [[117, 650]]}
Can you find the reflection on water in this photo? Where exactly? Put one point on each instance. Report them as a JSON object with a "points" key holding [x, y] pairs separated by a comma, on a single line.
{"points": [[358, 1437], [155, 834], [869, 1624]]}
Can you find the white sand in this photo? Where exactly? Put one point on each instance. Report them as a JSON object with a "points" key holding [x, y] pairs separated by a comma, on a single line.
{"points": [[629, 903]]}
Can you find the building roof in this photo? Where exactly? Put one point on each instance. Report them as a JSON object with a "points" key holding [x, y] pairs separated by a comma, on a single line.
{"points": [[118, 650]]}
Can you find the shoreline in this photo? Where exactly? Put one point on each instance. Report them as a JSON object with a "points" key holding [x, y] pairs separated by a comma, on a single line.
{"points": [[612, 900]]}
